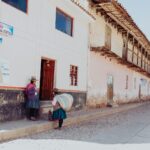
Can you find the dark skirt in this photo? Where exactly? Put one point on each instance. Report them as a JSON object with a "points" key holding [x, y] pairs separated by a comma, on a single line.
{"points": [[59, 114], [33, 102]]}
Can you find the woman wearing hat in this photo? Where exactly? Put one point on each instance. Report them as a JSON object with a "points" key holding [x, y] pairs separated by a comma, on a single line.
{"points": [[32, 99]]}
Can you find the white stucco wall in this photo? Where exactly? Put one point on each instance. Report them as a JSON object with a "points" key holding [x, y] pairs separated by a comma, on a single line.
{"points": [[35, 36], [97, 33], [98, 36], [100, 68], [116, 42]]}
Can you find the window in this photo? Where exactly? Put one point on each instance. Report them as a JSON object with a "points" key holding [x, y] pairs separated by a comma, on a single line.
{"points": [[108, 37], [19, 4], [64, 22], [74, 75]]}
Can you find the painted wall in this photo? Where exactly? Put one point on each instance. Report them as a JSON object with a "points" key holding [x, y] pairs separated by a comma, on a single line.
{"points": [[117, 42], [125, 81], [98, 35], [35, 36]]}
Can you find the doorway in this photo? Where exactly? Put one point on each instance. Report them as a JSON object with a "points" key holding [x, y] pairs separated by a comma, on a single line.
{"points": [[47, 79], [110, 92]]}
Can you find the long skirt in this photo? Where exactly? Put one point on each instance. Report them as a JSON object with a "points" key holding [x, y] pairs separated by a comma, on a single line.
{"points": [[33, 102], [59, 114]]}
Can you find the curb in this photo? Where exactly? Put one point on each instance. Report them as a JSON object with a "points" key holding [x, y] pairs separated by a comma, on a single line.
{"points": [[33, 129]]}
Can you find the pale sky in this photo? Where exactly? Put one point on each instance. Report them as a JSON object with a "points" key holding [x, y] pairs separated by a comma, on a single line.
{"points": [[139, 10]]}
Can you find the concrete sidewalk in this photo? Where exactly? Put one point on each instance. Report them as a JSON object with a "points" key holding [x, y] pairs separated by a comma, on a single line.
{"points": [[17, 129]]}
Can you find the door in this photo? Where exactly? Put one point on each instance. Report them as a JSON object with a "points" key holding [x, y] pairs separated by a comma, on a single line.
{"points": [[139, 90], [47, 79], [110, 89]]}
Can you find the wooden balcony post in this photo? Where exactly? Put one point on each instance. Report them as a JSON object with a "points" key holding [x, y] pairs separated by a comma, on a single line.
{"points": [[133, 49], [138, 53], [141, 56], [125, 47]]}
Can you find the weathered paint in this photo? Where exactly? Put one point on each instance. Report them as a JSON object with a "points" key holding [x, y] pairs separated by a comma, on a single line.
{"points": [[100, 68], [12, 105], [97, 35]]}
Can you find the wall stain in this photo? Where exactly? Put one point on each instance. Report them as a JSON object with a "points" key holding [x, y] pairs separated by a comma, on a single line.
{"points": [[12, 104]]}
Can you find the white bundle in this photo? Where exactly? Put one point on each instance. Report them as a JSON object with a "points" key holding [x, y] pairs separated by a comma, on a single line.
{"points": [[65, 101]]}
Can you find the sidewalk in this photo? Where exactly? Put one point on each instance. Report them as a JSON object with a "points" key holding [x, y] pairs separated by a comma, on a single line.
{"points": [[17, 129]]}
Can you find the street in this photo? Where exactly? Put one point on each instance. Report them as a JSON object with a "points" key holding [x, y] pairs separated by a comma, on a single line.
{"points": [[126, 130], [126, 127]]}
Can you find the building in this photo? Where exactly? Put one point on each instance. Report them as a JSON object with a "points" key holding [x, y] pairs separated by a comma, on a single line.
{"points": [[119, 61], [49, 40], [91, 49]]}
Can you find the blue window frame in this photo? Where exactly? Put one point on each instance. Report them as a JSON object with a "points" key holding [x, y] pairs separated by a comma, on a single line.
{"points": [[19, 4], [64, 22]]}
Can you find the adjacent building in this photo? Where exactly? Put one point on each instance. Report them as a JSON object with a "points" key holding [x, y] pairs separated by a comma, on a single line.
{"points": [[119, 61]]}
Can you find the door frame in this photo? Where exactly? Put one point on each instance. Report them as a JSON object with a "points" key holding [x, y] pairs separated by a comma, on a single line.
{"points": [[54, 80]]}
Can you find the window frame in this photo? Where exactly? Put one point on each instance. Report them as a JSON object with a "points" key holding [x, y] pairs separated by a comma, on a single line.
{"points": [[66, 15], [26, 12], [74, 72]]}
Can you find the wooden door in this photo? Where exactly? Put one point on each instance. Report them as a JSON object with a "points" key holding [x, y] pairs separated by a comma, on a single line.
{"points": [[110, 89], [47, 79], [139, 90]]}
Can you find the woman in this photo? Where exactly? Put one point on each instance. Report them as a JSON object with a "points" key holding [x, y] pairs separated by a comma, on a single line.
{"points": [[59, 113], [32, 101]]}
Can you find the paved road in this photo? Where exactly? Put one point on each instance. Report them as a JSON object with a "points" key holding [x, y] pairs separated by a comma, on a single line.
{"points": [[127, 127]]}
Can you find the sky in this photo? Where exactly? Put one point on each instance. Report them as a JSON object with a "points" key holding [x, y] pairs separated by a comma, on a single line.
{"points": [[139, 10]]}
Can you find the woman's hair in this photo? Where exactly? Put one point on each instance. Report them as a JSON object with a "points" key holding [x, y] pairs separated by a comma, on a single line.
{"points": [[32, 81], [55, 91]]}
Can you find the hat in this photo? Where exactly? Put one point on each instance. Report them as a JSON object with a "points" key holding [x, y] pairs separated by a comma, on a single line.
{"points": [[33, 78]]}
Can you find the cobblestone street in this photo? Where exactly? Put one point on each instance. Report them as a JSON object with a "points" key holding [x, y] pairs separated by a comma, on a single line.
{"points": [[130, 127]]}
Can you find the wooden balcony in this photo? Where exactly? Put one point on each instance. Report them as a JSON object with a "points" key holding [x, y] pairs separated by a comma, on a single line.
{"points": [[103, 51]]}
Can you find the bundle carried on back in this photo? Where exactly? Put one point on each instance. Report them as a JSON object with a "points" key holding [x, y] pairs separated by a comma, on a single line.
{"points": [[65, 101]]}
